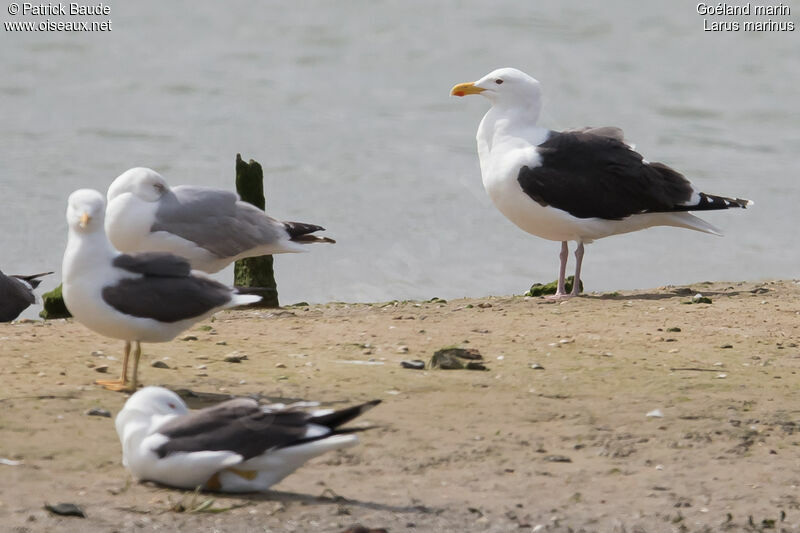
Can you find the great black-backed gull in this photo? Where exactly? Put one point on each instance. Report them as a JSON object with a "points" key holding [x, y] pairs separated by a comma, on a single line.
{"points": [[236, 446], [16, 294], [210, 227], [577, 185], [149, 297]]}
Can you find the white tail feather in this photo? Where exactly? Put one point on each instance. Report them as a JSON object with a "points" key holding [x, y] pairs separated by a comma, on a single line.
{"points": [[244, 299]]}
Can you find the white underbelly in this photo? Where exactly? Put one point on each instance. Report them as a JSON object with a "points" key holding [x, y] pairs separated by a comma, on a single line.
{"points": [[84, 300]]}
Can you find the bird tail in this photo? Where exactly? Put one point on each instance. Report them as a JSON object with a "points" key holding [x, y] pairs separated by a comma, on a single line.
{"points": [[244, 299], [301, 232], [710, 202], [32, 279], [343, 416]]}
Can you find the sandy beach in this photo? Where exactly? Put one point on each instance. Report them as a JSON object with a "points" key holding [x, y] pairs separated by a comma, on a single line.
{"points": [[634, 411]]}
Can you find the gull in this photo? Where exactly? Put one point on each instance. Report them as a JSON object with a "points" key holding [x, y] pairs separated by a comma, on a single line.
{"points": [[16, 294], [575, 185], [210, 227], [235, 446], [149, 297]]}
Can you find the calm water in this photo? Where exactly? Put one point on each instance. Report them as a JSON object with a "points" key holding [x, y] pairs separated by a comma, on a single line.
{"points": [[346, 105]]}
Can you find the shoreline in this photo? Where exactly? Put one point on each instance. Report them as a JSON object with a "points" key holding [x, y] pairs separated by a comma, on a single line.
{"points": [[555, 433]]}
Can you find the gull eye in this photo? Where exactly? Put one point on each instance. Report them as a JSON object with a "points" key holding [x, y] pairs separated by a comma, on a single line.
{"points": [[171, 405], [498, 81]]}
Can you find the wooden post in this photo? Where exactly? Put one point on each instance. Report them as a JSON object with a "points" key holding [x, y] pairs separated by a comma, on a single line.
{"points": [[255, 274]]}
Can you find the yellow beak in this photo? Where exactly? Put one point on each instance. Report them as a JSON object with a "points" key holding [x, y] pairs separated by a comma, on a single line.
{"points": [[84, 219], [463, 89]]}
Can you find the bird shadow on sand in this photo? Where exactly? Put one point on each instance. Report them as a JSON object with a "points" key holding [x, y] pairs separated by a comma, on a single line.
{"points": [[678, 292], [329, 497]]}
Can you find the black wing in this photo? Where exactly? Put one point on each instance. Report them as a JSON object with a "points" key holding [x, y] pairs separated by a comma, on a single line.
{"points": [[166, 292], [597, 175], [240, 426], [243, 427], [15, 297], [166, 299], [154, 264]]}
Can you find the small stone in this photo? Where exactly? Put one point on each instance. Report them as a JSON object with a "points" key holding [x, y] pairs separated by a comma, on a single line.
{"points": [[556, 459], [655, 413], [189, 338], [235, 357], [201, 367], [537, 366], [98, 411], [280, 365], [101, 368], [221, 343], [98, 353], [722, 376], [726, 346], [159, 364], [65, 509], [674, 330], [414, 364], [402, 349]]}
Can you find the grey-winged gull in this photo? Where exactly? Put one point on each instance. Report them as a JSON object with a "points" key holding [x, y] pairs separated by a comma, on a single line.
{"points": [[149, 297], [210, 227], [235, 446], [577, 185], [16, 294]]}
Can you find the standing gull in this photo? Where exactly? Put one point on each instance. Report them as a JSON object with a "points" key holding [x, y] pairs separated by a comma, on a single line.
{"points": [[210, 227], [236, 446], [148, 297], [577, 185], [16, 294]]}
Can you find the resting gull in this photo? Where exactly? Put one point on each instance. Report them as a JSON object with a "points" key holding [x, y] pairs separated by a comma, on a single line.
{"points": [[16, 294], [149, 297], [210, 227], [235, 446], [577, 185]]}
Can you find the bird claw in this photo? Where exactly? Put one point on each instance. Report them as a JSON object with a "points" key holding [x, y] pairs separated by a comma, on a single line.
{"points": [[116, 385], [559, 297]]}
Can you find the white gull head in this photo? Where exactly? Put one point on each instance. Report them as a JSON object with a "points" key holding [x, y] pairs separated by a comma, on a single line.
{"points": [[85, 211], [144, 183], [507, 88]]}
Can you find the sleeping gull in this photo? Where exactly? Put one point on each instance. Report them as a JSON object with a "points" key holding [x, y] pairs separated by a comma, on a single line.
{"points": [[577, 185], [148, 297], [210, 227], [16, 294], [235, 446]]}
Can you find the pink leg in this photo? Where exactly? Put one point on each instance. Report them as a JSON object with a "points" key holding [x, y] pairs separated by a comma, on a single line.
{"points": [[561, 291], [576, 284]]}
